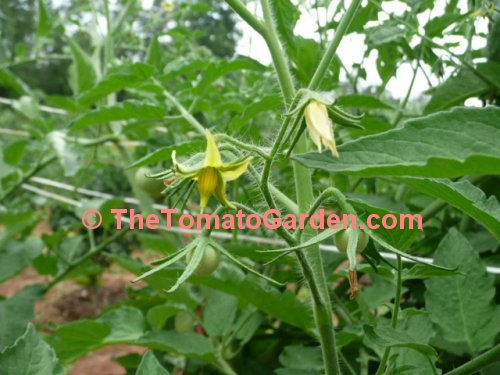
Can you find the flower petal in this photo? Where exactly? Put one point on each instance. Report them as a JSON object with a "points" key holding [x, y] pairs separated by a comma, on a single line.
{"points": [[332, 146], [212, 155], [220, 193], [232, 171], [209, 179], [182, 170]]}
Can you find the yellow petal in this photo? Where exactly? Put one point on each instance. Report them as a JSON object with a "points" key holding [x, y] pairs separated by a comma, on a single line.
{"points": [[212, 155], [320, 126], [208, 180], [231, 172], [332, 146], [181, 169], [220, 193]]}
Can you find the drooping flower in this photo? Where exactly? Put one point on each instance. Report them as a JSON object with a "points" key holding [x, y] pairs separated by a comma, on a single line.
{"points": [[213, 174], [320, 126], [168, 6]]}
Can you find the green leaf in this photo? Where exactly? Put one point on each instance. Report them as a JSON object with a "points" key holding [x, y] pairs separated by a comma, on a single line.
{"points": [[74, 340], [16, 312], [419, 329], [399, 238], [466, 84], [362, 102], [128, 110], [386, 33], [158, 315], [436, 26], [165, 153], [44, 20], [300, 360], [219, 313], [66, 153], [464, 141], [15, 255], [493, 44], [389, 337], [286, 15], [30, 355], [116, 79], [186, 343], [217, 69], [12, 81], [421, 271], [83, 71], [150, 366], [248, 288], [126, 323], [155, 55], [464, 196], [461, 306], [266, 103], [320, 237]]}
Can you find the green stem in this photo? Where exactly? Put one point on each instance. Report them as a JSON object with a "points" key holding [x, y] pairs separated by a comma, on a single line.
{"points": [[247, 16], [478, 363], [310, 260], [28, 175], [184, 112], [394, 320], [93, 251], [278, 55], [346, 363], [244, 146], [225, 367], [37, 168], [402, 107], [332, 48]]}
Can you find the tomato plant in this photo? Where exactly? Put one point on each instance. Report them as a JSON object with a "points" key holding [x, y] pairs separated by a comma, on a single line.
{"points": [[305, 108]]}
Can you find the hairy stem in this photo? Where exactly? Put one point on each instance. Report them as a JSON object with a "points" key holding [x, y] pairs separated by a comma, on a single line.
{"points": [[247, 16], [478, 363], [332, 48]]}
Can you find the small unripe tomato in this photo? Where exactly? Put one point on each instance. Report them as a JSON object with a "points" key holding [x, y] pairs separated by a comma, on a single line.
{"points": [[183, 321], [209, 261], [342, 240], [149, 185]]}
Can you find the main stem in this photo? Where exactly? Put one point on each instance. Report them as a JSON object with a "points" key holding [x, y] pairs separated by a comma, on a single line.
{"points": [[309, 259]]}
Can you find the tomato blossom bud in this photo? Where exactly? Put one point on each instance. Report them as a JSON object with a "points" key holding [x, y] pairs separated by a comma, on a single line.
{"points": [[320, 126]]}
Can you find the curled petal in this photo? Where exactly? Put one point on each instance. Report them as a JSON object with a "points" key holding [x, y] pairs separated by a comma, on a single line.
{"points": [[182, 170], [232, 171], [220, 193]]}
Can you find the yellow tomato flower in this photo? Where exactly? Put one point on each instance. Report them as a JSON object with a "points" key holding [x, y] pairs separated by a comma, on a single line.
{"points": [[213, 174], [320, 126], [168, 6]]}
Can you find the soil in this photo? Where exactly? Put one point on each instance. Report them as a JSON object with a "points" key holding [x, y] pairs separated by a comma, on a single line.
{"points": [[69, 301]]}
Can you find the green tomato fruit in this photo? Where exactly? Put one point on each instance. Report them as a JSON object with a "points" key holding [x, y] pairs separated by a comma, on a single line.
{"points": [[342, 240], [184, 321], [208, 263], [147, 184]]}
